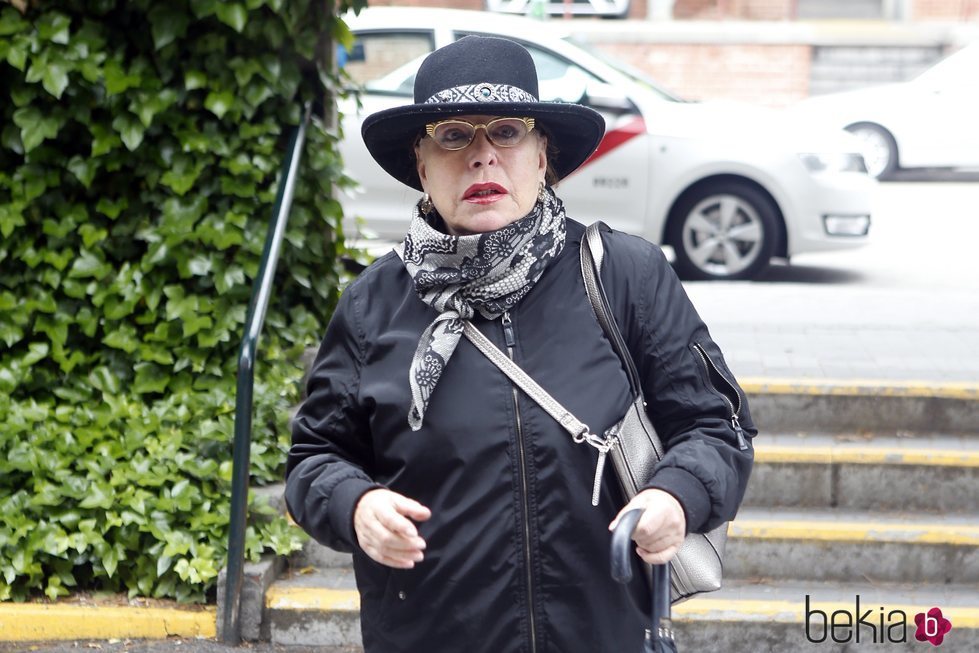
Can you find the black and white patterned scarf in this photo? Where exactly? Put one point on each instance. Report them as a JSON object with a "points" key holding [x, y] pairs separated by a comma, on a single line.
{"points": [[458, 276]]}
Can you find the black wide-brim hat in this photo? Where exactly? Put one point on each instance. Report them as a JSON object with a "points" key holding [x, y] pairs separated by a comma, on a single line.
{"points": [[479, 75]]}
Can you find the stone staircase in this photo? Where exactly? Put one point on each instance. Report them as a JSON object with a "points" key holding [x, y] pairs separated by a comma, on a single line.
{"points": [[862, 530]]}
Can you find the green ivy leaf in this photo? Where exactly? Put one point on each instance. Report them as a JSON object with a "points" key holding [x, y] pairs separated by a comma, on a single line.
{"points": [[55, 78], [36, 351], [84, 169], [150, 378], [123, 337], [130, 129], [112, 208], [168, 24], [91, 234], [54, 26], [35, 126], [104, 140], [195, 79], [11, 217], [219, 103], [117, 80], [11, 22], [88, 264], [233, 15], [147, 105], [17, 52]]}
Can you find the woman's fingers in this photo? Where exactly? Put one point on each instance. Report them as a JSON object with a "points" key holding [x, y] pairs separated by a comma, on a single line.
{"points": [[657, 557], [384, 530], [662, 527]]}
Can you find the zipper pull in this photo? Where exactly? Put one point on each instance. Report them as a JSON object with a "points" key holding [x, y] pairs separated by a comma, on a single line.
{"points": [[599, 468], [508, 329], [742, 443]]}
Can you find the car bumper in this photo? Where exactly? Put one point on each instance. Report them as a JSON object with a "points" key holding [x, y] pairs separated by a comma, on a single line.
{"points": [[832, 211]]}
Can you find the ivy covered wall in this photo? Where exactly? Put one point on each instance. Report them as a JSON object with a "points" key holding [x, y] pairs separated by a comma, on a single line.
{"points": [[140, 147]]}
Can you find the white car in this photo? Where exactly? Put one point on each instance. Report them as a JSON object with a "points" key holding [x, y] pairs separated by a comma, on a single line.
{"points": [[607, 8], [928, 122], [728, 186]]}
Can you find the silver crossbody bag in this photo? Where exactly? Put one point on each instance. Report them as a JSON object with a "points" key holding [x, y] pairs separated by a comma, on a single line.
{"points": [[632, 443]]}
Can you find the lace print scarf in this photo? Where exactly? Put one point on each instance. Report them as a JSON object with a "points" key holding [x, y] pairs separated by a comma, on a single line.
{"points": [[458, 276]]}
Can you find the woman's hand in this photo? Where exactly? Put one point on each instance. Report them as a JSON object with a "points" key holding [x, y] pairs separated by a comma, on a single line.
{"points": [[383, 523], [661, 528]]}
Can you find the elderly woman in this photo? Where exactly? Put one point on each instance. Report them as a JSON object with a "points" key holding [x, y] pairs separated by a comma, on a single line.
{"points": [[466, 506]]}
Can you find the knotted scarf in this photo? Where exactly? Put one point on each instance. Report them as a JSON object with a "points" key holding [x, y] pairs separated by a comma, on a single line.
{"points": [[458, 276]]}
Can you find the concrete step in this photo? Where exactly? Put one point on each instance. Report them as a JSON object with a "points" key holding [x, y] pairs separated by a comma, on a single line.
{"points": [[323, 609], [836, 545], [865, 471], [772, 617], [877, 406], [310, 607], [816, 545]]}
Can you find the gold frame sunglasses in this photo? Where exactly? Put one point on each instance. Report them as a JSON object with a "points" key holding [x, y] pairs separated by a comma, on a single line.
{"points": [[433, 129]]}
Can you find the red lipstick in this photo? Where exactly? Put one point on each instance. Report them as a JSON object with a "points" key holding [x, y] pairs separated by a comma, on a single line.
{"points": [[484, 193]]}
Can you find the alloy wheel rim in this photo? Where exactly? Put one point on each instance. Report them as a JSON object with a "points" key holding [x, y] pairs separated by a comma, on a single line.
{"points": [[875, 149], [722, 235]]}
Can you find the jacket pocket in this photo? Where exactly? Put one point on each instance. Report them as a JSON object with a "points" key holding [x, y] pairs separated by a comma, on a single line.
{"points": [[724, 388]]}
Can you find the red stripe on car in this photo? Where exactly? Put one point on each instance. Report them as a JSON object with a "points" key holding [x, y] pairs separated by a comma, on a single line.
{"points": [[618, 136]]}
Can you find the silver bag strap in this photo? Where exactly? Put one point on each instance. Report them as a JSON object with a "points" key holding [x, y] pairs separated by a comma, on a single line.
{"points": [[592, 256], [569, 422], [580, 433]]}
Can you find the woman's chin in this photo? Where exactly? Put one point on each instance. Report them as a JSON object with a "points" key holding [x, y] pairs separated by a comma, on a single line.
{"points": [[482, 218]]}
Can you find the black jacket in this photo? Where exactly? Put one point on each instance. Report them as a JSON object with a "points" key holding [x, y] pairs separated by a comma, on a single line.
{"points": [[517, 557]]}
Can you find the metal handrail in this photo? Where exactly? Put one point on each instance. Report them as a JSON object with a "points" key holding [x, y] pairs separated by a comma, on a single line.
{"points": [[261, 291]]}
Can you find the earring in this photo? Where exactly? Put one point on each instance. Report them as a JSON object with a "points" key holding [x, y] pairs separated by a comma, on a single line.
{"points": [[542, 192], [425, 205]]}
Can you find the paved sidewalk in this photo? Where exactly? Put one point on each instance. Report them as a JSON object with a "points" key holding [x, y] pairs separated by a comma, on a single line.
{"points": [[843, 333]]}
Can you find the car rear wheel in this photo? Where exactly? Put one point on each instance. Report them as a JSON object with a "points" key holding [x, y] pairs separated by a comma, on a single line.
{"points": [[723, 231], [878, 148]]}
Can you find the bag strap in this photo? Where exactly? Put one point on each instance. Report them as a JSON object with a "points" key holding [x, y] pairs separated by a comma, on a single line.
{"points": [[580, 433], [568, 421], [592, 256]]}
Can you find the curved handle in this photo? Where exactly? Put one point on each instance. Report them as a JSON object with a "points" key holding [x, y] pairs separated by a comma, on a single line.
{"points": [[622, 545]]}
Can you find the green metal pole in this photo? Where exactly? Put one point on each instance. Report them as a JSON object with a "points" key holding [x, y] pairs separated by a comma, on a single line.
{"points": [[261, 291]]}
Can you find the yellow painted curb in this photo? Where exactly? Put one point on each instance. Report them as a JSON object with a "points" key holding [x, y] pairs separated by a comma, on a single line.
{"points": [[865, 455], [825, 531], [708, 609], [860, 387], [700, 608], [311, 598], [41, 621]]}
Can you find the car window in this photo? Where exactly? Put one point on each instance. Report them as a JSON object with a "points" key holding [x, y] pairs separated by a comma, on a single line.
{"points": [[386, 62], [560, 80], [629, 71]]}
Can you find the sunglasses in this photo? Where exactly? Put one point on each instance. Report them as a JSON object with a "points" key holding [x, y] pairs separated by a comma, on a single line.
{"points": [[458, 134]]}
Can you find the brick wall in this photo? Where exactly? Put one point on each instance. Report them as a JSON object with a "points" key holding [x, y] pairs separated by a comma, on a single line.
{"points": [[445, 4], [954, 10], [773, 75], [736, 9], [637, 8]]}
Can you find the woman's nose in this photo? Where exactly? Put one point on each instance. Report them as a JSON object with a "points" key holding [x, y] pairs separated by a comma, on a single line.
{"points": [[481, 151]]}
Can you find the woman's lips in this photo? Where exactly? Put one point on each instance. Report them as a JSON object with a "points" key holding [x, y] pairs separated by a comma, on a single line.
{"points": [[484, 193]]}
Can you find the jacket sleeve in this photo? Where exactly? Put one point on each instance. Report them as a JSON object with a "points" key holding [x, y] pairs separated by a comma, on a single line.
{"points": [[327, 470], [693, 399]]}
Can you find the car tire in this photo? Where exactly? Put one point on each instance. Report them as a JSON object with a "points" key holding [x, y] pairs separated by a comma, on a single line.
{"points": [[878, 147], [723, 231]]}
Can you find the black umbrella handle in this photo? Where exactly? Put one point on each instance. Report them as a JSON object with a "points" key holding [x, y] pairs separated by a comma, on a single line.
{"points": [[660, 636], [622, 545]]}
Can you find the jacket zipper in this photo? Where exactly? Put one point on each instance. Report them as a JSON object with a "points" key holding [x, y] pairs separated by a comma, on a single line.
{"points": [[709, 367], [521, 456]]}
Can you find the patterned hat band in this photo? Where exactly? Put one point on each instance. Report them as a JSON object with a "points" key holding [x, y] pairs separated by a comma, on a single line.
{"points": [[483, 92]]}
